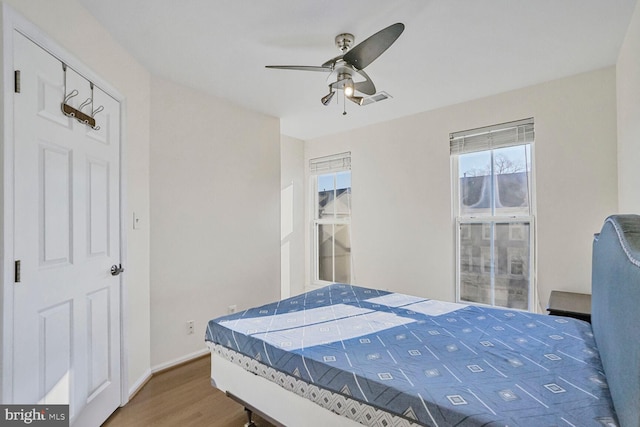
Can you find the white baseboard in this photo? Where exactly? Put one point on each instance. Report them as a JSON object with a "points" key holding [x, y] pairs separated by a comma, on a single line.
{"points": [[179, 360], [140, 382], [135, 387]]}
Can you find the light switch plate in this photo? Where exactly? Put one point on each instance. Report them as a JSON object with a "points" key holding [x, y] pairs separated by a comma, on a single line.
{"points": [[136, 221]]}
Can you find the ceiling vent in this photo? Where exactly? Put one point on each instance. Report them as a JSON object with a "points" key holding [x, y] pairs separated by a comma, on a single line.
{"points": [[380, 96]]}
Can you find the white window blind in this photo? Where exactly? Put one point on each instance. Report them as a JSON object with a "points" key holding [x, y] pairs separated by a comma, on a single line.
{"points": [[491, 137], [332, 163]]}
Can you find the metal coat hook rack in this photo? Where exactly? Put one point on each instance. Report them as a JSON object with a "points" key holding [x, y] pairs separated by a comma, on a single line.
{"points": [[76, 113]]}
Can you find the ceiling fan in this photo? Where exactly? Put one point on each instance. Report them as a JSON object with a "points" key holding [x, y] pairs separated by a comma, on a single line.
{"points": [[352, 61]]}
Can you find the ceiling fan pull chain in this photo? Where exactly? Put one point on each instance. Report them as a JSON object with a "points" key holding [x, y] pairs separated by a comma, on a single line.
{"points": [[344, 104]]}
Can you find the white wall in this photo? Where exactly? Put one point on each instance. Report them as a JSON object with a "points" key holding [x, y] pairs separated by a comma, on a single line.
{"points": [[215, 210], [402, 224], [628, 89], [292, 229], [71, 26]]}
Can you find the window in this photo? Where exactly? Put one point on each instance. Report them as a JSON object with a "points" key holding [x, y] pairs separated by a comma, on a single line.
{"points": [[331, 179], [516, 231], [486, 231], [466, 260], [465, 232], [494, 214], [487, 259], [517, 264]]}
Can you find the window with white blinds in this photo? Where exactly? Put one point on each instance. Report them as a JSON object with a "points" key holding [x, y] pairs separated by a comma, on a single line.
{"points": [[492, 137], [493, 186], [331, 163]]}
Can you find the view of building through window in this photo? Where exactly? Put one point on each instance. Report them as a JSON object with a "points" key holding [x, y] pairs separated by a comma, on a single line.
{"points": [[332, 227], [494, 235], [494, 269]]}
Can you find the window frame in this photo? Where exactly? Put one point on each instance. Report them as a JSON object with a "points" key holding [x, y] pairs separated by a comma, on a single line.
{"points": [[459, 220], [316, 222]]}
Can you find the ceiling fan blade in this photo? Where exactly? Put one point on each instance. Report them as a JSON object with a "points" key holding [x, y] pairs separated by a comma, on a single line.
{"points": [[367, 87], [332, 62], [300, 68], [368, 50]]}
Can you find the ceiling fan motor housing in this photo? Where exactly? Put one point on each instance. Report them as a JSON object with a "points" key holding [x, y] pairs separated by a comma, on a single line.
{"points": [[344, 41]]}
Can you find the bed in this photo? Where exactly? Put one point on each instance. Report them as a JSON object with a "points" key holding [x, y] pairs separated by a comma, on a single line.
{"points": [[347, 355]]}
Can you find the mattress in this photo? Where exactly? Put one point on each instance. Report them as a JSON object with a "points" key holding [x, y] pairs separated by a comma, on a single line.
{"points": [[424, 361]]}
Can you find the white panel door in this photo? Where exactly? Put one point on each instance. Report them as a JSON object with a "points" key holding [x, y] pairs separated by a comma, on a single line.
{"points": [[66, 338]]}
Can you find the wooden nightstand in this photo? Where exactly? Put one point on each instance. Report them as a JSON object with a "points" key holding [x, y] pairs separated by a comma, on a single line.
{"points": [[570, 304]]}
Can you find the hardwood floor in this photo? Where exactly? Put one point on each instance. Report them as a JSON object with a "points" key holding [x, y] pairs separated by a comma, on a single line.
{"points": [[182, 397]]}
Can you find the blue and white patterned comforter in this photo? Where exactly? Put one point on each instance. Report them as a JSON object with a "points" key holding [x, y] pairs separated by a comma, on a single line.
{"points": [[432, 362]]}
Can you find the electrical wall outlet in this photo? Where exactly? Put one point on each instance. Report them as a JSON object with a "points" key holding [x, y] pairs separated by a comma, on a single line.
{"points": [[232, 308], [191, 327]]}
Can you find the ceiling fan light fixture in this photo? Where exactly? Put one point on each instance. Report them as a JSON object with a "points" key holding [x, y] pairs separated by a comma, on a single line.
{"points": [[327, 98], [356, 99], [348, 88]]}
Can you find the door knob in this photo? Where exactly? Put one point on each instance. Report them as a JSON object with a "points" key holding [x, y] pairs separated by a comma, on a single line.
{"points": [[116, 269]]}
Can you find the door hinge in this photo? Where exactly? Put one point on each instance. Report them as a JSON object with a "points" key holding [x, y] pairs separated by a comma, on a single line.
{"points": [[16, 81], [16, 270]]}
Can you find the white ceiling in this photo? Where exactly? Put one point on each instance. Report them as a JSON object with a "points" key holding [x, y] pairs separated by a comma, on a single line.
{"points": [[451, 50]]}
